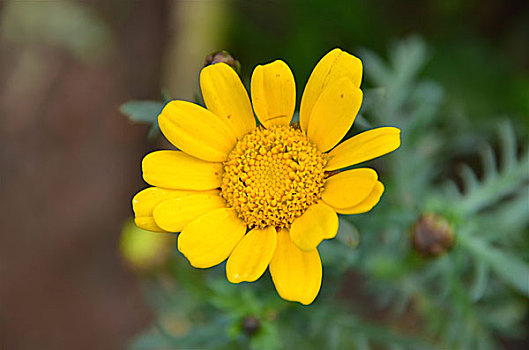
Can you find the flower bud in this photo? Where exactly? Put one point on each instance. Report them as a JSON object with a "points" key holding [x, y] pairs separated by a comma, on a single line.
{"points": [[225, 57], [432, 235], [145, 251], [250, 325]]}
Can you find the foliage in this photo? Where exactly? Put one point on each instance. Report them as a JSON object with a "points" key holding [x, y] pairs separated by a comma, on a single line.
{"points": [[378, 291], [145, 112]]}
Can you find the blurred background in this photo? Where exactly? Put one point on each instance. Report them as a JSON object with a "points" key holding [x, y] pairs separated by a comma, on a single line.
{"points": [[71, 161]]}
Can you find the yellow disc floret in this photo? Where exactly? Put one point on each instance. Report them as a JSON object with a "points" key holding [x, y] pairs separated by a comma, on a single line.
{"points": [[272, 176]]}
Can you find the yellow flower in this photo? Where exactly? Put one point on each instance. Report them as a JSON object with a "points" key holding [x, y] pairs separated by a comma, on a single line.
{"points": [[278, 181]]}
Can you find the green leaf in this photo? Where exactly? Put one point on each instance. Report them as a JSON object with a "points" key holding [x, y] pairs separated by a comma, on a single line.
{"points": [[373, 98], [481, 278], [408, 57], [142, 111], [511, 269], [347, 233], [375, 68], [496, 185], [267, 338]]}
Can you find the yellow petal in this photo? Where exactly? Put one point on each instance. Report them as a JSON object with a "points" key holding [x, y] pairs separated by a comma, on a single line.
{"points": [[144, 202], [296, 274], [147, 223], [334, 113], [174, 214], [177, 170], [273, 93], [367, 204], [349, 188], [209, 240], [319, 222], [225, 95], [196, 131], [251, 256], [364, 146], [334, 65]]}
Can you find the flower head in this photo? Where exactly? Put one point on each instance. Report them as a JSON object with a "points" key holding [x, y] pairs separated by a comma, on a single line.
{"points": [[264, 196]]}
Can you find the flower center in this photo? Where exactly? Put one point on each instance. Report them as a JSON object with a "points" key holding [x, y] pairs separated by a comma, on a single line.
{"points": [[272, 176]]}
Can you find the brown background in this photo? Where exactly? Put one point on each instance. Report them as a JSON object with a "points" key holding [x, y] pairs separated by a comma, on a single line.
{"points": [[70, 163]]}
